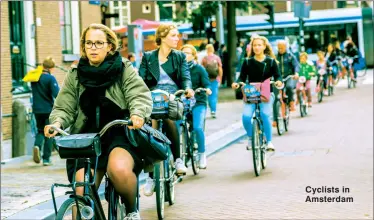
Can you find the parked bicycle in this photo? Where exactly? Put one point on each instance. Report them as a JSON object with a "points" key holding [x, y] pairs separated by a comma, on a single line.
{"points": [[189, 147], [164, 172], [89, 205]]}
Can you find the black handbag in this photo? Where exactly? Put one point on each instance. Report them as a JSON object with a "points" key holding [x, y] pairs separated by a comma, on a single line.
{"points": [[152, 143], [79, 146]]}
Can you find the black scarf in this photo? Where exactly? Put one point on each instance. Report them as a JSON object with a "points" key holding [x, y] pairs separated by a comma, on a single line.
{"points": [[96, 80]]}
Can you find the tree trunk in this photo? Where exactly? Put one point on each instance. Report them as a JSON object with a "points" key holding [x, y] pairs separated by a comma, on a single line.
{"points": [[231, 41]]}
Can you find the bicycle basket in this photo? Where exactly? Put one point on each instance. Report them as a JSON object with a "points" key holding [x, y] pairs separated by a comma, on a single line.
{"points": [[79, 146], [251, 94]]}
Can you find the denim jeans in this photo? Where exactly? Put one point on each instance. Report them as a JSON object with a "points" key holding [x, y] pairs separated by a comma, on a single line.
{"points": [[290, 86], [265, 114], [213, 98], [198, 117]]}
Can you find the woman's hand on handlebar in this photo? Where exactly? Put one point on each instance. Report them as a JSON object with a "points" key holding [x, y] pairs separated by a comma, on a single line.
{"points": [[137, 122], [235, 85], [296, 76], [189, 93], [278, 83], [49, 132]]}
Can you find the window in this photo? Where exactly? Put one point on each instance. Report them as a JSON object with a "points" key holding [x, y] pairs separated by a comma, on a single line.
{"points": [[166, 10], [122, 8], [65, 26], [69, 26]]}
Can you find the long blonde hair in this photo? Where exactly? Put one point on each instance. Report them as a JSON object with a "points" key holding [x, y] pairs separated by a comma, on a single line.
{"points": [[268, 50]]}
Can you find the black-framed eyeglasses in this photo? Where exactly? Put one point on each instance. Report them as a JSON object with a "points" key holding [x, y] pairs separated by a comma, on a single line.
{"points": [[98, 44]]}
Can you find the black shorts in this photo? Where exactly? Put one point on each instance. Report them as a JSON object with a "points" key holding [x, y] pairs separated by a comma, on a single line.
{"points": [[115, 137]]}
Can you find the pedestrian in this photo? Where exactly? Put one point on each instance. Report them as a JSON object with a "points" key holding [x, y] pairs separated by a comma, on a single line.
{"points": [[202, 52], [199, 78], [104, 87], [259, 68], [166, 69], [44, 93], [213, 66]]}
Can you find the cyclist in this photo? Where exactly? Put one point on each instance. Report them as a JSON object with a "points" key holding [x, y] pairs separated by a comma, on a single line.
{"points": [[352, 52], [200, 79], [104, 84], [259, 67], [288, 65], [332, 61], [321, 65], [166, 69], [307, 70]]}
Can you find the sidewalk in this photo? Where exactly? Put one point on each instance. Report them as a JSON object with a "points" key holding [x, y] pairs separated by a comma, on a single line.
{"points": [[26, 186]]}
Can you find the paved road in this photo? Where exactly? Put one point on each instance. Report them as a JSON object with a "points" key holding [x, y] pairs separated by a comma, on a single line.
{"points": [[332, 147]]}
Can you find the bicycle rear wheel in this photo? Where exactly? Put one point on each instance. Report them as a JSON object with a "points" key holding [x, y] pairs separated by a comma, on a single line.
{"points": [[183, 143], [320, 92], [256, 147], [301, 105], [68, 210], [169, 179], [279, 119], [287, 118], [160, 189]]}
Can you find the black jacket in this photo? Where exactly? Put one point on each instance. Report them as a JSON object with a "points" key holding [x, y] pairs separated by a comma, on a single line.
{"points": [[255, 71], [44, 92], [176, 67], [200, 79]]}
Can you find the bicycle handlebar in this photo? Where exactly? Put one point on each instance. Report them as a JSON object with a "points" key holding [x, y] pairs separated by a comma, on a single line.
{"points": [[102, 131], [200, 90], [180, 92]]}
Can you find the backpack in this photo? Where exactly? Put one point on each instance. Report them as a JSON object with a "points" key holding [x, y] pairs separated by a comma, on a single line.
{"points": [[212, 68]]}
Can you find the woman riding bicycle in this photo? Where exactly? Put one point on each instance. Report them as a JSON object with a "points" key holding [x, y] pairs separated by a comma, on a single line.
{"points": [[200, 79], [259, 67], [166, 69], [104, 87], [321, 65], [332, 61]]}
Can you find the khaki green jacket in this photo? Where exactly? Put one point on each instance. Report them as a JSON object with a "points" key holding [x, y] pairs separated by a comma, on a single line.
{"points": [[133, 95]]}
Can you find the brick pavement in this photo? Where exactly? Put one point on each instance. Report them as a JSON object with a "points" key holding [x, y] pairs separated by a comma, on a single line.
{"points": [[332, 147]]}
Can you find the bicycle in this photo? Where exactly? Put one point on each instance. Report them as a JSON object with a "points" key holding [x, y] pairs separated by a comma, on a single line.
{"points": [[189, 148], [164, 172], [350, 76], [321, 84], [282, 108], [259, 142], [302, 97], [330, 82], [89, 205]]}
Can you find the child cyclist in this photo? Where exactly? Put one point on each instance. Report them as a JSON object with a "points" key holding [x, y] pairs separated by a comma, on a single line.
{"points": [[259, 67], [321, 65], [307, 70]]}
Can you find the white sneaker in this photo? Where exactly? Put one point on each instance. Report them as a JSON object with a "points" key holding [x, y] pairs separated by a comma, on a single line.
{"points": [[180, 167], [270, 147], [202, 160], [149, 187], [133, 216], [325, 92]]}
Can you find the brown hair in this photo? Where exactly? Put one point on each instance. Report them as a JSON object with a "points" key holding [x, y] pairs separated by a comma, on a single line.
{"points": [[110, 36], [48, 63], [162, 31], [268, 50], [194, 52]]}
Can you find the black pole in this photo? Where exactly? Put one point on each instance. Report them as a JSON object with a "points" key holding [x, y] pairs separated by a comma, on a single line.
{"points": [[301, 34]]}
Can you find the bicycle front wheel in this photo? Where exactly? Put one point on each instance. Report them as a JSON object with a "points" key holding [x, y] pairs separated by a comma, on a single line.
{"points": [[279, 119], [68, 210], [256, 151], [320, 92], [193, 154], [116, 210], [160, 189]]}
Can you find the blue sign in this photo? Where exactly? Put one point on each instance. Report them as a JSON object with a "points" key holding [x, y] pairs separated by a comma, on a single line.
{"points": [[302, 9], [94, 2]]}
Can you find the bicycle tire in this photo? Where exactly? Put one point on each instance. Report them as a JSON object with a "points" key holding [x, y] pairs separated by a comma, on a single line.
{"points": [[349, 80], [69, 203], [183, 144], [278, 110], [263, 156], [160, 190], [301, 104], [364, 72], [320, 92], [256, 147], [193, 154], [287, 119], [170, 178]]}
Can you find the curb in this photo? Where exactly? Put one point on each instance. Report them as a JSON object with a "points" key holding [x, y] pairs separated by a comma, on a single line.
{"points": [[45, 209]]}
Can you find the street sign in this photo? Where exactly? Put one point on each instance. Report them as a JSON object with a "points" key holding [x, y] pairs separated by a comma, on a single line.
{"points": [[94, 2], [302, 9]]}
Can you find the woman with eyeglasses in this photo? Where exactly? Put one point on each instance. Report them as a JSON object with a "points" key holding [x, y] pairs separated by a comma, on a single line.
{"points": [[200, 79], [166, 69], [102, 88]]}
